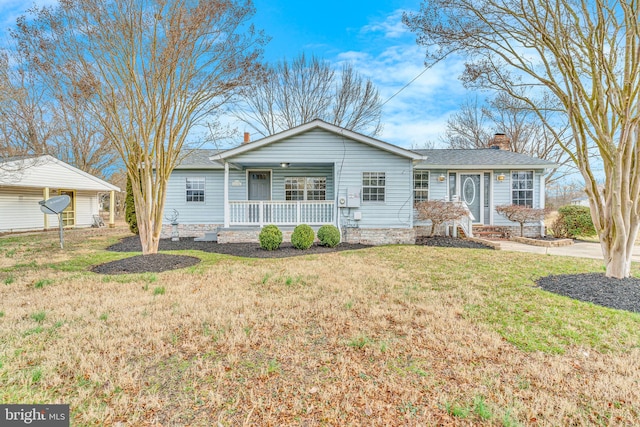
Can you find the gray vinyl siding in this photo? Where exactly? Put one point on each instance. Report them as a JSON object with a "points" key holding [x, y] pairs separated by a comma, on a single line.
{"points": [[502, 193], [351, 159], [437, 191], [211, 211]]}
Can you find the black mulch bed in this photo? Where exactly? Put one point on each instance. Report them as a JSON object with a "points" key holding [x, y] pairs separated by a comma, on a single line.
{"points": [[622, 294], [249, 250], [146, 264], [450, 242]]}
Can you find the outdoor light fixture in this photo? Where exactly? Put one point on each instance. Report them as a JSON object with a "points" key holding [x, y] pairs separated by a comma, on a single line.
{"points": [[500, 177], [284, 165], [441, 178]]}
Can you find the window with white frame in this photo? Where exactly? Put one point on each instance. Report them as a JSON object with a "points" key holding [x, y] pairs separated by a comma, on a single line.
{"points": [[522, 188], [305, 188], [373, 186], [420, 186], [195, 190]]}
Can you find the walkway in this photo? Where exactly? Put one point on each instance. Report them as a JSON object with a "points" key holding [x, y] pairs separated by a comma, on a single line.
{"points": [[578, 249]]}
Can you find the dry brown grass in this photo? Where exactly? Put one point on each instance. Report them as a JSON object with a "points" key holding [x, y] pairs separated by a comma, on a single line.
{"points": [[384, 336]]}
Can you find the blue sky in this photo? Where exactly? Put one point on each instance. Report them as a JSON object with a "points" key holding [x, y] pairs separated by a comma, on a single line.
{"points": [[368, 34]]}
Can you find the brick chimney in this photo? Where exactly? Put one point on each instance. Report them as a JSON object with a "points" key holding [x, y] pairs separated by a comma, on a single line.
{"points": [[247, 138], [500, 141]]}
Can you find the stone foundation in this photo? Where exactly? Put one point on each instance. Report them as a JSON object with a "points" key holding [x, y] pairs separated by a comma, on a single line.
{"points": [[379, 236], [529, 230], [250, 235], [365, 236], [544, 243], [189, 230]]}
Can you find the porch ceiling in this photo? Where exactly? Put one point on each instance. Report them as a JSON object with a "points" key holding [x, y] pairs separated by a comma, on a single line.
{"points": [[274, 165]]}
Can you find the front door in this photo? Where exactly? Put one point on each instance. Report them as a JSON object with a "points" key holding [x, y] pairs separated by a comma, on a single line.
{"points": [[69, 213], [259, 185], [471, 194], [259, 189]]}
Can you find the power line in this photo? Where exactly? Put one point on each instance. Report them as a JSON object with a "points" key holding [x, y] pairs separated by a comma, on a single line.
{"points": [[405, 86]]}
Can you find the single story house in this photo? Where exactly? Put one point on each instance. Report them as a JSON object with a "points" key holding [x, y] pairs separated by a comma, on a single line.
{"points": [[318, 173], [25, 182]]}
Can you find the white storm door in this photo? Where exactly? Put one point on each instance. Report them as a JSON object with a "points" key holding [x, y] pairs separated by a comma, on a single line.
{"points": [[471, 194]]}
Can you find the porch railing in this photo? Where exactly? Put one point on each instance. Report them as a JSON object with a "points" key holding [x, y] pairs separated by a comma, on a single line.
{"points": [[466, 222], [253, 212]]}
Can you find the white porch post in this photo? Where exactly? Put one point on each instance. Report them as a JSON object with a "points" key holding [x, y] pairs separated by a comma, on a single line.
{"points": [[543, 192], [45, 194], [226, 195], [112, 209]]}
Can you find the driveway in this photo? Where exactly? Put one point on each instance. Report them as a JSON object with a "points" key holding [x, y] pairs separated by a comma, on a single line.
{"points": [[578, 249]]}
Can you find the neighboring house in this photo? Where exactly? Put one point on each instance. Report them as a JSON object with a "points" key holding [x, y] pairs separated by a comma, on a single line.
{"points": [[580, 201], [318, 173], [25, 182]]}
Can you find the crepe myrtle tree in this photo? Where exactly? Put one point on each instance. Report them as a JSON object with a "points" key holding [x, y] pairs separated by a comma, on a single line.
{"points": [[521, 214], [439, 212], [582, 57], [151, 71]]}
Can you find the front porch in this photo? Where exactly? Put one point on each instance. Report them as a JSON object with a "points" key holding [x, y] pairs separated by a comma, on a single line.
{"points": [[263, 212]]}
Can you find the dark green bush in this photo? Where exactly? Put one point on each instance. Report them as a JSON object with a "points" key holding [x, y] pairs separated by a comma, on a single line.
{"points": [[573, 221], [130, 209], [329, 235], [270, 237], [302, 237]]}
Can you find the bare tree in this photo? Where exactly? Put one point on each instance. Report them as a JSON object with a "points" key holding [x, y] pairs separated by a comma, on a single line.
{"points": [[473, 126], [439, 212], [582, 55], [25, 126], [150, 70], [41, 114], [293, 93]]}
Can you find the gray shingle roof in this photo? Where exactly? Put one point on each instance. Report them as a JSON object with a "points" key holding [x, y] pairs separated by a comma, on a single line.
{"points": [[199, 159], [482, 158]]}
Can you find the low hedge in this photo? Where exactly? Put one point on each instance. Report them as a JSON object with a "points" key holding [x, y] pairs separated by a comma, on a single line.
{"points": [[302, 237], [329, 235], [270, 237]]}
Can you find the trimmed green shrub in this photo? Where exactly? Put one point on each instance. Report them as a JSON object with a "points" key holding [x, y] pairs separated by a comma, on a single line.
{"points": [[130, 209], [270, 237], [329, 235], [573, 221], [302, 237]]}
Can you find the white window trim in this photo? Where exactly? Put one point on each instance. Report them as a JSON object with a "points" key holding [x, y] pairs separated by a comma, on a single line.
{"points": [[377, 186], [533, 189], [428, 189], [204, 189], [305, 189]]}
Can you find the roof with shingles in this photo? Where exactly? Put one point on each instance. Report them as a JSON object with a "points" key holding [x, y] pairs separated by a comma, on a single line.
{"points": [[199, 159], [481, 158]]}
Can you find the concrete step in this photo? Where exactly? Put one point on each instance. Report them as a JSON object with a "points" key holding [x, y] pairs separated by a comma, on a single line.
{"points": [[208, 237]]}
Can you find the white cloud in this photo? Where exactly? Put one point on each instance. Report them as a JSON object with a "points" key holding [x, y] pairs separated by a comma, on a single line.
{"points": [[392, 26], [418, 113]]}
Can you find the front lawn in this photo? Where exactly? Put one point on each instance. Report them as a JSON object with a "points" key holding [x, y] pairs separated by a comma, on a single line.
{"points": [[380, 336]]}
